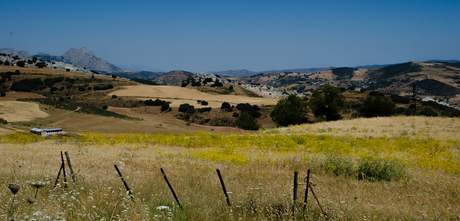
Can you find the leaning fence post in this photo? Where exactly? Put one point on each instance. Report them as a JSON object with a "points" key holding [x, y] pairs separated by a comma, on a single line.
{"points": [[306, 190], [170, 187], [296, 174], [319, 204], [124, 182], [63, 170], [70, 167], [223, 187], [57, 178]]}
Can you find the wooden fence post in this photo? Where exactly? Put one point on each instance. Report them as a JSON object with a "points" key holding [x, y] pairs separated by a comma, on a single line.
{"points": [[170, 187], [57, 178], [124, 182], [306, 191], [70, 167], [296, 175], [63, 170], [223, 187], [319, 204]]}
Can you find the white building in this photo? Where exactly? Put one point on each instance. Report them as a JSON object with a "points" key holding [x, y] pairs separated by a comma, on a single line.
{"points": [[47, 131]]}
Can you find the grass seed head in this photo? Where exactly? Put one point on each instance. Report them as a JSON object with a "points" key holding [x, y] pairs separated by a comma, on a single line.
{"points": [[14, 187]]}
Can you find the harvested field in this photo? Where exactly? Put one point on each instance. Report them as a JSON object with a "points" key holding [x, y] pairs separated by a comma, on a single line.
{"points": [[14, 111], [179, 95]]}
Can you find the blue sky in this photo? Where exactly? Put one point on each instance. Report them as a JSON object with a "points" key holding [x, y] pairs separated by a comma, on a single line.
{"points": [[230, 35]]}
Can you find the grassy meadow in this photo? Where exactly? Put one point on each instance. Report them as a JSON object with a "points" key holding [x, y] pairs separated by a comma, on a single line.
{"points": [[396, 168]]}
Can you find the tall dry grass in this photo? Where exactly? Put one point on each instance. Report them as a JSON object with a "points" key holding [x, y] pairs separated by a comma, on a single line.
{"points": [[260, 186]]}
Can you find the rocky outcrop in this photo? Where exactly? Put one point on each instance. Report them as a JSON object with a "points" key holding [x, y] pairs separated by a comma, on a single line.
{"points": [[201, 77], [83, 57], [13, 52]]}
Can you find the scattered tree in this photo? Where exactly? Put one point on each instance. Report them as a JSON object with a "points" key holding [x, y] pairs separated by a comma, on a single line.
{"points": [[378, 106], [327, 102], [289, 111], [246, 121]]}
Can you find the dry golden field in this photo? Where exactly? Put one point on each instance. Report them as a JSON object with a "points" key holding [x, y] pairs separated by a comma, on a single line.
{"points": [[14, 111], [179, 95], [257, 168]]}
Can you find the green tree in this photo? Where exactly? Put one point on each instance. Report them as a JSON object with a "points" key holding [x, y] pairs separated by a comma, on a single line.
{"points": [[375, 106], [289, 111], [246, 121], [427, 111], [328, 102]]}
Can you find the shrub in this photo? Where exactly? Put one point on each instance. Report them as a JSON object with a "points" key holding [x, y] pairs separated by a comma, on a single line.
{"points": [[338, 165], [196, 84], [246, 121], [105, 107], [186, 108], [218, 84], [21, 63], [114, 96], [225, 105], [204, 103], [252, 110], [206, 109], [399, 99], [41, 64], [427, 111], [103, 87], [3, 121], [81, 88], [376, 169], [164, 106], [53, 88], [3, 93]]}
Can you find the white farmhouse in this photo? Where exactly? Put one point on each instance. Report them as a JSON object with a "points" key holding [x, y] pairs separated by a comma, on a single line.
{"points": [[47, 131]]}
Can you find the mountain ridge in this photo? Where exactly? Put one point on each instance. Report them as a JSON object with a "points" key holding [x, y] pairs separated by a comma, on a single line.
{"points": [[82, 57]]}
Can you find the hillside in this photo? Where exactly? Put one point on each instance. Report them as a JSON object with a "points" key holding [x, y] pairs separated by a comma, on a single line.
{"points": [[82, 57], [439, 80], [172, 77]]}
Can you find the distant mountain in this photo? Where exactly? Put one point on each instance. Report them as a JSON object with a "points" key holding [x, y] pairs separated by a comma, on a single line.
{"points": [[372, 66], [82, 57], [234, 73], [19, 53], [450, 61], [140, 68], [246, 73], [145, 75]]}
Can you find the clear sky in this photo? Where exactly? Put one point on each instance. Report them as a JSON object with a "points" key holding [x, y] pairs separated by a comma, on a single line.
{"points": [[229, 35]]}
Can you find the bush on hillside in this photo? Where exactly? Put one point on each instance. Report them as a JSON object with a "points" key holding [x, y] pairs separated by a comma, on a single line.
{"points": [[252, 110], [246, 121], [427, 111]]}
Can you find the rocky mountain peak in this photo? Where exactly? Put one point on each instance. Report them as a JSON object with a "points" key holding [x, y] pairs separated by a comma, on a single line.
{"points": [[20, 53], [85, 58]]}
